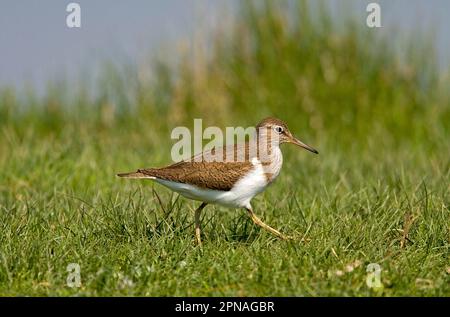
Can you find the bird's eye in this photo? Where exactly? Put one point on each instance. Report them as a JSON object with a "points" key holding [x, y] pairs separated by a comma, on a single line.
{"points": [[278, 129]]}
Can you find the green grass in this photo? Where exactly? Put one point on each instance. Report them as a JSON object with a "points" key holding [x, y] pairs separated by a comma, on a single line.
{"points": [[380, 125]]}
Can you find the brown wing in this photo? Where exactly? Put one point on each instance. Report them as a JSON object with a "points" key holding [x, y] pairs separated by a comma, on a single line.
{"points": [[204, 173]]}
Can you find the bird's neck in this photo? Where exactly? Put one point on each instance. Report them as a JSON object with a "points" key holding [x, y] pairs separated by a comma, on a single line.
{"points": [[268, 147], [271, 160], [269, 155]]}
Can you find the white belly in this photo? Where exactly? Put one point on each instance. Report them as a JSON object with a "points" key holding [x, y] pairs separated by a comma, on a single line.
{"points": [[239, 196]]}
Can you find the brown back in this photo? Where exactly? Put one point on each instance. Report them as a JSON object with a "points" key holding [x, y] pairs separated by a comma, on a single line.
{"points": [[206, 174]]}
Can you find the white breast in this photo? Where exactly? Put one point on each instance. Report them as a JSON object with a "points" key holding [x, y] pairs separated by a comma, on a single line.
{"points": [[239, 196], [242, 192], [247, 187]]}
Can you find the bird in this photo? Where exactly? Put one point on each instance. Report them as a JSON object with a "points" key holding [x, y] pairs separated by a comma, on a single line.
{"points": [[238, 173]]}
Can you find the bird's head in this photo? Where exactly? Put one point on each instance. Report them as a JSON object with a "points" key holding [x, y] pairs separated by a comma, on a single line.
{"points": [[276, 131]]}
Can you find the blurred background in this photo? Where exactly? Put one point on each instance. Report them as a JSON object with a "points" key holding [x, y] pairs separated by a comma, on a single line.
{"points": [[144, 67], [38, 47]]}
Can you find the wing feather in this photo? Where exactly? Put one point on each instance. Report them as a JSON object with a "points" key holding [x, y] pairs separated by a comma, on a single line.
{"points": [[204, 173]]}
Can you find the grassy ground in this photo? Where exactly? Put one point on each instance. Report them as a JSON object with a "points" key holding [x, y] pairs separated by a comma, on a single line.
{"points": [[377, 193]]}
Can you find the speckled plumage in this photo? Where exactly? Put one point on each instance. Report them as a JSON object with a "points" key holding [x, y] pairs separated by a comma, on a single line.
{"points": [[231, 183]]}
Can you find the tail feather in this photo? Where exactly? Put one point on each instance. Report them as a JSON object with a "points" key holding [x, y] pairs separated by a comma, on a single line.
{"points": [[137, 174]]}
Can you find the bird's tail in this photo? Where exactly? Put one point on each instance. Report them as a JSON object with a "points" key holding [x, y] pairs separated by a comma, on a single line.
{"points": [[137, 174]]}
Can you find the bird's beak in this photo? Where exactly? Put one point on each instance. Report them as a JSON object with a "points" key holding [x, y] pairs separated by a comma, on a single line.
{"points": [[303, 145]]}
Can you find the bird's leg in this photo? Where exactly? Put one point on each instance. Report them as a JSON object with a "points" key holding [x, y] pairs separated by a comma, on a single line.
{"points": [[259, 222], [197, 222]]}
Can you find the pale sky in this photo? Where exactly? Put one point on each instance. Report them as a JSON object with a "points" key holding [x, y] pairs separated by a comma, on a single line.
{"points": [[36, 45]]}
